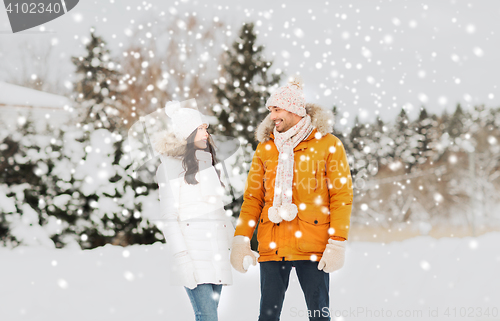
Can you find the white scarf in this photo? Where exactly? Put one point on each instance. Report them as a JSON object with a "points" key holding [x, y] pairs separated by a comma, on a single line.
{"points": [[210, 185], [283, 208]]}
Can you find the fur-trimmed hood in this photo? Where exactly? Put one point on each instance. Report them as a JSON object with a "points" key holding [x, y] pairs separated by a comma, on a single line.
{"points": [[320, 118], [168, 144]]}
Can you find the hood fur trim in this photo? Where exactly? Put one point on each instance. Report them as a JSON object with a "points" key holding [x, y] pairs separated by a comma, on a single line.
{"points": [[320, 118], [168, 144]]}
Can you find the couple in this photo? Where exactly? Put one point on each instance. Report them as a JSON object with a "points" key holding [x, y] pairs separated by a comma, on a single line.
{"points": [[298, 190]]}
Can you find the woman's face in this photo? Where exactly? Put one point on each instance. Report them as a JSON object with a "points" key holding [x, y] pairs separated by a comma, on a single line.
{"points": [[200, 140]]}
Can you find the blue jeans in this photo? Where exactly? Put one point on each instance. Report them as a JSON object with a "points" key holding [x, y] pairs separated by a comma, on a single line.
{"points": [[205, 300], [315, 284]]}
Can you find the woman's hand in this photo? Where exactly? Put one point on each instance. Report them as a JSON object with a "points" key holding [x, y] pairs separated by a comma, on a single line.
{"points": [[185, 266], [242, 255]]}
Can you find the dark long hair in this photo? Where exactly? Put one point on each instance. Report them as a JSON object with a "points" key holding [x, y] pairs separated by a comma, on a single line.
{"points": [[190, 163]]}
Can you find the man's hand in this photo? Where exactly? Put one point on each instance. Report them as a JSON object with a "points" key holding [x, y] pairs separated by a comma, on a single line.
{"points": [[333, 256]]}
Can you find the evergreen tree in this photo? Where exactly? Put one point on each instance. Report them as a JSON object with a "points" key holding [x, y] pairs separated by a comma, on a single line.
{"points": [[424, 136], [358, 146], [402, 121], [114, 207], [335, 112], [357, 135], [35, 189], [97, 85], [339, 133], [244, 87], [455, 126], [403, 136], [380, 143], [13, 178], [241, 94]]}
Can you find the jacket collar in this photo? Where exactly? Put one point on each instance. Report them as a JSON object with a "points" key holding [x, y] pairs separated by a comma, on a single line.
{"points": [[321, 119], [167, 144]]}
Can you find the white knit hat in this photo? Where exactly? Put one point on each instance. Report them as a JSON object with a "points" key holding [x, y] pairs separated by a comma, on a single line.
{"points": [[289, 97], [184, 119]]}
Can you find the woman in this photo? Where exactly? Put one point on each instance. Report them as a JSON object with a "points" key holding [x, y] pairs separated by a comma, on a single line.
{"points": [[196, 228]]}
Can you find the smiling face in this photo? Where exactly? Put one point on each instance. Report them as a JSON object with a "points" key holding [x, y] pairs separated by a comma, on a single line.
{"points": [[200, 140], [283, 119]]}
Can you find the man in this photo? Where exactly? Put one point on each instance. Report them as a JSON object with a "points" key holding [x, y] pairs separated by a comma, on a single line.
{"points": [[299, 191]]}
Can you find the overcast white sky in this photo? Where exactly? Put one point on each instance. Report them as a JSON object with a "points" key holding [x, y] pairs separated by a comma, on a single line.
{"points": [[366, 57]]}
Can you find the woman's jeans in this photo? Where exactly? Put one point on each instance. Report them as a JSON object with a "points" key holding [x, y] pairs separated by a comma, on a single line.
{"points": [[205, 300]]}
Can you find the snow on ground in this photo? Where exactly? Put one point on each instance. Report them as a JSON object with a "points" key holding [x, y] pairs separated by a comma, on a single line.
{"points": [[415, 278]]}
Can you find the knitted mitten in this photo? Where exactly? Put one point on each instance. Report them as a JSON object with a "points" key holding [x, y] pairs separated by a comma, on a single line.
{"points": [[333, 256], [241, 254], [185, 266]]}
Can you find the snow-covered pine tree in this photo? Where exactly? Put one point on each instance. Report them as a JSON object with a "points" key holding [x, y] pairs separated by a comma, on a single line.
{"points": [[241, 92], [357, 134], [14, 179], [402, 136], [101, 202], [243, 87], [363, 146], [33, 189], [354, 147], [377, 146], [384, 143], [97, 85], [455, 126], [114, 207], [425, 135]]}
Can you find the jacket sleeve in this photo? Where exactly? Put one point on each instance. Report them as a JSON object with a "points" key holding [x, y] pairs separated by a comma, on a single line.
{"points": [[340, 191], [169, 203], [253, 198], [230, 232]]}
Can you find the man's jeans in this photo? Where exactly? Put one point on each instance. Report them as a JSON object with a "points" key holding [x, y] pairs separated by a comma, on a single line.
{"points": [[205, 300], [274, 277]]}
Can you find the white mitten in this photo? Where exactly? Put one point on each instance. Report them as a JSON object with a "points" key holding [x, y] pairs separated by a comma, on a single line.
{"points": [[242, 255], [249, 260], [185, 266], [333, 256]]}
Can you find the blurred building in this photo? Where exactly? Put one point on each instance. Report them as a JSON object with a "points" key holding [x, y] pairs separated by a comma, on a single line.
{"points": [[17, 103]]}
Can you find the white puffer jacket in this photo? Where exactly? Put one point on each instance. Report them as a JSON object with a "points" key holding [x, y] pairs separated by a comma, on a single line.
{"points": [[191, 223]]}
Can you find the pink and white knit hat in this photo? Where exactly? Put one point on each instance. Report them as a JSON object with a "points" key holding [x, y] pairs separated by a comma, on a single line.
{"points": [[289, 97]]}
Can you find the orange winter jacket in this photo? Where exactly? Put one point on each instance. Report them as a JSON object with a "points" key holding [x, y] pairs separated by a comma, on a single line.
{"points": [[322, 191]]}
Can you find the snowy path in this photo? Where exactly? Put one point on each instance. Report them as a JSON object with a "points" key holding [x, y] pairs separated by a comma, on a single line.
{"points": [[414, 277]]}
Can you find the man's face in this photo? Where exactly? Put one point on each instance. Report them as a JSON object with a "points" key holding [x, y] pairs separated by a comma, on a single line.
{"points": [[283, 119]]}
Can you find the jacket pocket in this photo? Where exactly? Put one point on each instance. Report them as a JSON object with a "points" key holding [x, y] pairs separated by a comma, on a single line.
{"points": [[314, 232], [266, 235], [224, 230]]}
